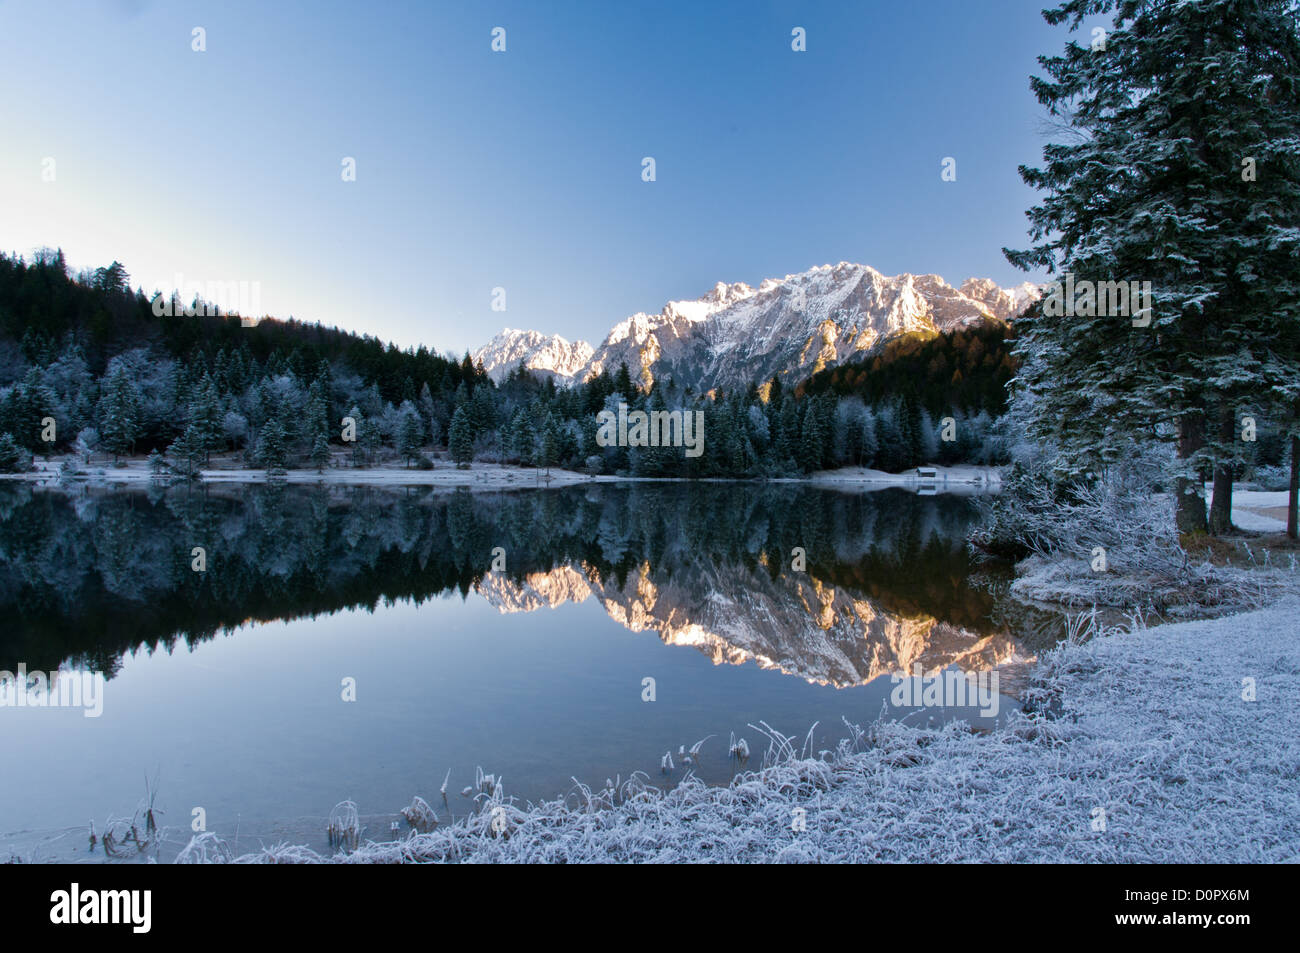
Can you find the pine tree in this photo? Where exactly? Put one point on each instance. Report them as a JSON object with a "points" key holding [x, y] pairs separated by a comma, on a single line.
{"points": [[358, 445], [623, 382], [519, 439], [316, 414], [189, 451], [460, 441], [119, 413], [812, 440], [13, 458], [549, 447], [320, 452], [206, 416], [870, 443], [892, 453], [428, 412], [1184, 173], [157, 465], [786, 426], [271, 450], [410, 433]]}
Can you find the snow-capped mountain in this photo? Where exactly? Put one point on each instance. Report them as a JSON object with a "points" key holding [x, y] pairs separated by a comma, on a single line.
{"points": [[790, 327], [542, 353]]}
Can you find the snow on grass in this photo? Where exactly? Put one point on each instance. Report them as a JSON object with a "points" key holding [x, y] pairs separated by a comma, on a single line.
{"points": [[1139, 749], [1113, 544]]}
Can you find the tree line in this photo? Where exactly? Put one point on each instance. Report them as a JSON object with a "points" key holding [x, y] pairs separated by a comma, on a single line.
{"points": [[287, 394]]}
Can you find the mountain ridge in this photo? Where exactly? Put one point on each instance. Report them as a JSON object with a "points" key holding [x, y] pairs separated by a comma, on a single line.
{"points": [[736, 334]]}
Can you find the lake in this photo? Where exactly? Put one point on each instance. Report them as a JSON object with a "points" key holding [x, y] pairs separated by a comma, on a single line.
{"points": [[338, 643]]}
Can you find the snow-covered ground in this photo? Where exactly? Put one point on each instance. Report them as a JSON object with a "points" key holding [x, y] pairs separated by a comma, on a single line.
{"points": [[1256, 510], [946, 476], [1154, 751]]}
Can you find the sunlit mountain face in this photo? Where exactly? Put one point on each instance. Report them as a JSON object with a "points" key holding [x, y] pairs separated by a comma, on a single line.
{"points": [[834, 588], [789, 328], [793, 621]]}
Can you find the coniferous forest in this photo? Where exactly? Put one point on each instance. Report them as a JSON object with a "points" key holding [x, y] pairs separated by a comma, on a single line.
{"points": [[91, 354]]}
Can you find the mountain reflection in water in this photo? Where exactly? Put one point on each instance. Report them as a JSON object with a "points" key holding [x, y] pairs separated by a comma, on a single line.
{"points": [[226, 683], [885, 583]]}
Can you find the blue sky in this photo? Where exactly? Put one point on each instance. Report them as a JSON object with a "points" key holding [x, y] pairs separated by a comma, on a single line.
{"points": [[521, 169]]}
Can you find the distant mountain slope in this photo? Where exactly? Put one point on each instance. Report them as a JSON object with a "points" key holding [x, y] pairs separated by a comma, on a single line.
{"points": [[547, 354], [789, 327]]}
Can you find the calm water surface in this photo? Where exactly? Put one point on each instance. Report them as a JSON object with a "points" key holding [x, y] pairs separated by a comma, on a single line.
{"points": [[227, 685]]}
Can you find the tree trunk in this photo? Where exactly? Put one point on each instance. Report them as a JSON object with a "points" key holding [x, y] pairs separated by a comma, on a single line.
{"points": [[1291, 528], [1221, 506], [1189, 506]]}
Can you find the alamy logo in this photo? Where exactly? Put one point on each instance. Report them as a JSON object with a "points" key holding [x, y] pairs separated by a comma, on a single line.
{"points": [[949, 689], [64, 688], [213, 298], [133, 907], [658, 428], [1099, 299]]}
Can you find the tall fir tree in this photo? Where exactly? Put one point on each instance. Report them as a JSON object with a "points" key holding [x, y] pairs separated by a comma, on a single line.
{"points": [[460, 439], [271, 447], [119, 413], [1182, 170]]}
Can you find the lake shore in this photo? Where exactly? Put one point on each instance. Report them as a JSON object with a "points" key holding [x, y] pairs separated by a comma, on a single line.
{"points": [[1171, 744], [489, 476]]}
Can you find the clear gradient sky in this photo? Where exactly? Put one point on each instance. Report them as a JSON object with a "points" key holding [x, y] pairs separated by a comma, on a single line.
{"points": [[519, 169]]}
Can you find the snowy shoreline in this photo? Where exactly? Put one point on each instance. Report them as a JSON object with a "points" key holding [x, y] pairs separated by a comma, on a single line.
{"points": [[1145, 747], [491, 476]]}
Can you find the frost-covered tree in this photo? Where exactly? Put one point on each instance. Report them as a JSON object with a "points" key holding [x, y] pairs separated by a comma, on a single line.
{"points": [[460, 440], [870, 446], [358, 440], [86, 442], [316, 423], [548, 447], [234, 427], [119, 413], [429, 413], [272, 453], [13, 457], [189, 450], [520, 438], [157, 465], [410, 432], [1182, 170], [320, 452], [206, 417]]}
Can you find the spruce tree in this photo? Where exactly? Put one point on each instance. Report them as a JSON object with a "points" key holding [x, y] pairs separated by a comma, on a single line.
{"points": [[205, 415], [119, 413], [13, 457], [189, 451], [460, 440], [1182, 170], [410, 433], [271, 450], [320, 452], [549, 447], [812, 440]]}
